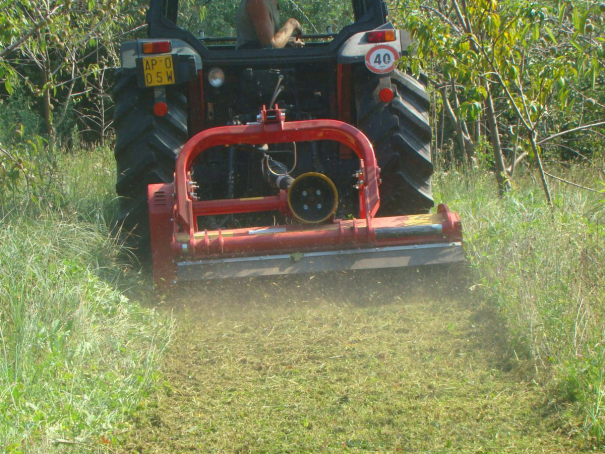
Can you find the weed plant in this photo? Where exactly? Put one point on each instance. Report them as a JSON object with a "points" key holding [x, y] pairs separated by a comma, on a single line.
{"points": [[544, 271], [76, 356]]}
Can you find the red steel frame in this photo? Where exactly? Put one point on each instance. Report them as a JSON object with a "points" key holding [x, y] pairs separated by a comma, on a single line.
{"points": [[173, 212], [274, 131]]}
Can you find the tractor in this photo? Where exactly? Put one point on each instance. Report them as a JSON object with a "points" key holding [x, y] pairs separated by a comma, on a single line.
{"points": [[253, 162]]}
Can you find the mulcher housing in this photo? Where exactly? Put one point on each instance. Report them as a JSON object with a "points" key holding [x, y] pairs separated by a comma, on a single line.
{"points": [[296, 160]]}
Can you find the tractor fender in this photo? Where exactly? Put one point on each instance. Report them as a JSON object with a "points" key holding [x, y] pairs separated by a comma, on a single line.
{"points": [[354, 50], [132, 50]]}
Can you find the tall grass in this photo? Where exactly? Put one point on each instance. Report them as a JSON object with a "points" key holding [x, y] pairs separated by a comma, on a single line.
{"points": [[544, 270], [76, 356]]}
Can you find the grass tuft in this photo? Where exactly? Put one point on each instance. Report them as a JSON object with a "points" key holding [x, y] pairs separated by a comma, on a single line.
{"points": [[76, 356], [544, 270]]}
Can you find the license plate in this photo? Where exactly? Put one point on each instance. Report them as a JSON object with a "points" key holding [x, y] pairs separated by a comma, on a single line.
{"points": [[158, 70]]}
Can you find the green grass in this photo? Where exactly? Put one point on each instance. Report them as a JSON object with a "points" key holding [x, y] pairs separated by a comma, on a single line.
{"points": [[544, 271], [76, 356]]}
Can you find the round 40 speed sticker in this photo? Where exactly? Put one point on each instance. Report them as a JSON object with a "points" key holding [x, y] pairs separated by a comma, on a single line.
{"points": [[381, 59]]}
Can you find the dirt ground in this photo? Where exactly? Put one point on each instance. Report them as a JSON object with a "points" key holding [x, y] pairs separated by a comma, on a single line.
{"points": [[385, 361]]}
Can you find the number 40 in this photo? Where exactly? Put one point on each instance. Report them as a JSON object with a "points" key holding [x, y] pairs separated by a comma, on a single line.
{"points": [[381, 59]]}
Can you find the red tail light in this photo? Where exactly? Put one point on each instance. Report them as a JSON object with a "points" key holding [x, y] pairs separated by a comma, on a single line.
{"points": [[160, 108], [157, 47], [381, 36], [386, 95]]}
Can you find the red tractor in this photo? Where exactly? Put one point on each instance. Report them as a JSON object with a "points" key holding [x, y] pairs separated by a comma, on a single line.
{"points": [[243, 163]]}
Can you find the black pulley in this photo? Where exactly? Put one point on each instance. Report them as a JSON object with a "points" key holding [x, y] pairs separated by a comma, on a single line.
{"points": [[312, 198]]}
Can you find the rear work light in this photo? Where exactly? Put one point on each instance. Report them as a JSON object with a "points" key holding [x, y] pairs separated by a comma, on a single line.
{"points": [[157, 47], [381, 36]]}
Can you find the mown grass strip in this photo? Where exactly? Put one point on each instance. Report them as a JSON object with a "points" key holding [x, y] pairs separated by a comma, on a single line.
{"points": [[380, 361]]}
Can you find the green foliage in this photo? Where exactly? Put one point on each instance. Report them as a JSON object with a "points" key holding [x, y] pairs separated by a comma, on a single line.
{"points": [[546, 277], [218, 18], [24, 160], [19, 118], [58, 34], [27, 169], [76, 356], [539, 64], [511, 43], [23, 163], [54, 47]]}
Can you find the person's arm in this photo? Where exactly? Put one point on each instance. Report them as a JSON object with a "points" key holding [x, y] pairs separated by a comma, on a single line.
{"points": [[261, 18]]}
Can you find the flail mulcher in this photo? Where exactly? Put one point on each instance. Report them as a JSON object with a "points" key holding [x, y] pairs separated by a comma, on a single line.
{"points": [[333, 174]]}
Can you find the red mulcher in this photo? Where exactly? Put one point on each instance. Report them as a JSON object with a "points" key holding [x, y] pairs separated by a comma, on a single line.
{"points": [[182, 252]]}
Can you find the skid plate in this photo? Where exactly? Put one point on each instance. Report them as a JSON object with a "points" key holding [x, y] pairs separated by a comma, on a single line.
{"points": [[318, 262]]}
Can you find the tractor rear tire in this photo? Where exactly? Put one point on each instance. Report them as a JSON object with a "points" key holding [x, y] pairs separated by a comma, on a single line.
{"points": [[400, 133], [146, 150]]}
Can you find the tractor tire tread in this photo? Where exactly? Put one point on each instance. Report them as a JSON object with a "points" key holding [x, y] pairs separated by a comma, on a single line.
{"points": [[401, 135], [146, 150]]}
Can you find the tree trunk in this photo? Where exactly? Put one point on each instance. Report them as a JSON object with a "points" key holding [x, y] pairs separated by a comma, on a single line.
{"points": [[501, 178], [456, 123], [466, 144], [48, 107], [469, 146], [534, 146], [48, 118]]}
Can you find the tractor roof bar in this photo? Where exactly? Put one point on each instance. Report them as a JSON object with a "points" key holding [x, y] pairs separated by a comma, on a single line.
{"points": [[273, 129]]}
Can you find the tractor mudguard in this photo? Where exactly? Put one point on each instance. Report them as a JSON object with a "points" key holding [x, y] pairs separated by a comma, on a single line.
{"points": [[131, 51], [354, 50]]}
